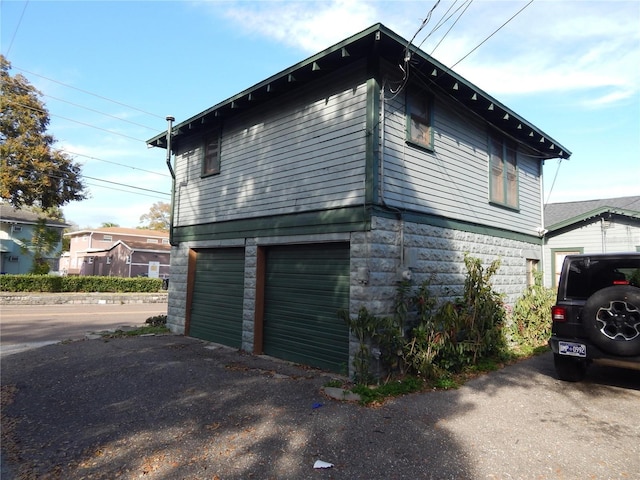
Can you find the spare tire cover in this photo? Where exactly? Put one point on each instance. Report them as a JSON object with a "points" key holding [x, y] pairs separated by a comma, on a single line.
{"points": [[611, 318]]}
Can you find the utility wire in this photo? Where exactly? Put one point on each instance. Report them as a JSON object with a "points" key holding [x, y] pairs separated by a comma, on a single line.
{"points": [[89, 93], [15, 32], [125, 185], [75, 121], [443, 20], [123, 190], [453, 25], [31, 169], [492, 34], [111, 162], [553, 183], [155, 129]]}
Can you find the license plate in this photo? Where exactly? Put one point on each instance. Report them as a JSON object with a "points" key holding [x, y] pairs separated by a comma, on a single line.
{"points": [[572, 349]]}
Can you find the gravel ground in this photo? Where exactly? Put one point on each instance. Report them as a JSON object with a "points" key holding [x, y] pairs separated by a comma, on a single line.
{"points": [[171, 407]]}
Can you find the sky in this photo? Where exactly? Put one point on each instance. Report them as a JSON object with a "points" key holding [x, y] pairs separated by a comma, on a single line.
{"points": [[110, 72]]}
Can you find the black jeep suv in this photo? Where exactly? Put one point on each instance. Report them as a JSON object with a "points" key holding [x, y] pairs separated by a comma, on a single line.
{"points": [[597, 313]]}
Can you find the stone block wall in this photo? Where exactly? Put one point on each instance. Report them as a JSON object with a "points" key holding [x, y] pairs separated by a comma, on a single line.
{"points": [[379, 258], [392, 247], [177, 305]]}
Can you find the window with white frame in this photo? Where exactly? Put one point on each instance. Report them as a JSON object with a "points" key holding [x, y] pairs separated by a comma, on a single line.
{"points": [[107, 238]]}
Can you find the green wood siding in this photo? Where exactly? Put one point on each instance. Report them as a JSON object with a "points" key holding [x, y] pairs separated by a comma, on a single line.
{"points": [[305, 287], [216, 310]]}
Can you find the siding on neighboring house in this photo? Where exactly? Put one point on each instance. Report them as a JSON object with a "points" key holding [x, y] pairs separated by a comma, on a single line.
{"points": [[597, 236], [116, 251], [589, 226], [16, 232]]}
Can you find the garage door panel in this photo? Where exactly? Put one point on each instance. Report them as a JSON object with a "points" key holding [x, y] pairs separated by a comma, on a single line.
{"points": [[216, 310], [305, 287]]}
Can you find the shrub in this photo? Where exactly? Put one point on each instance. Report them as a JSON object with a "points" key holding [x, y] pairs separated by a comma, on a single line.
{"points": [[447, 339], [531, 318], [54, 284]]}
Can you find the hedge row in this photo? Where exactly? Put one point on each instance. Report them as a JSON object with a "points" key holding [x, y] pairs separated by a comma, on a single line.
{"points": [[49, 283]]}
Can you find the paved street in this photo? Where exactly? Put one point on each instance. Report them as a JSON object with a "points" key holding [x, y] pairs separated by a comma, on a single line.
{"points": [[29, 326], [171, 407]]}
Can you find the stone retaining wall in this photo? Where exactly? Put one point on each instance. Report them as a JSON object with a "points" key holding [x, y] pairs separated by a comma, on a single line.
{"points": [[37, 298]]}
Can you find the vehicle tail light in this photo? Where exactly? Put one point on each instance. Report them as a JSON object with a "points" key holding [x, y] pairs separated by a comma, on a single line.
{"points": [[558, 314]]}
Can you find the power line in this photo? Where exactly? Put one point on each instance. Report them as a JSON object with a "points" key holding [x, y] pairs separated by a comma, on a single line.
{"points": [[111, 162], [89, 93], [492, 34], [15, 32], [31, 169], [442, 20], [123, 190], [453, 25], [155, 129], [125, 185], [75, 121]]}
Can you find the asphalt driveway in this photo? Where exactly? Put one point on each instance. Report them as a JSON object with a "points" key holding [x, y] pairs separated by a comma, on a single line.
{"points": [[171, 407]]}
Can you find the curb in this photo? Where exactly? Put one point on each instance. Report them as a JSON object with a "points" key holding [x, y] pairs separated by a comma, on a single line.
{"points": [[40, 298]]}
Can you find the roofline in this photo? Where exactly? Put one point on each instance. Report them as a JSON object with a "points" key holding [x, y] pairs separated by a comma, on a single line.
{"points": [[97, 230], [441, 77], [48, 223], [89, 251], [592, 214]]}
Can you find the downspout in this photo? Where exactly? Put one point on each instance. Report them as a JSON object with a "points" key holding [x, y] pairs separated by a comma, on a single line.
{"points": [[382, 141], [170, 121], [542, 229], [383, 117]]}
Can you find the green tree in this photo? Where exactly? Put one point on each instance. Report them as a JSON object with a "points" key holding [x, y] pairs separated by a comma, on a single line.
{"points": [[31, 171], [42, 245], [108, 225], [158, 217]]}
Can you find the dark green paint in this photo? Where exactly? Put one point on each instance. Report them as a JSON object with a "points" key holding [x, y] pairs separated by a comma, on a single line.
{"points": [[305, 287]]}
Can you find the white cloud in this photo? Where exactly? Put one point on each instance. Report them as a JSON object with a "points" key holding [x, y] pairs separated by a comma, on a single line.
{"points": [[309, 26], [549, 47]]}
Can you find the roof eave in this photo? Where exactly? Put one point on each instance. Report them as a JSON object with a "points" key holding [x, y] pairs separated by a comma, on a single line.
{"points": [[391, 46]]}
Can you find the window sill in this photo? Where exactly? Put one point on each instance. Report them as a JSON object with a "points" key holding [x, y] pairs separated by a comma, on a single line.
{"points": [[505, 206], [421, 146]]}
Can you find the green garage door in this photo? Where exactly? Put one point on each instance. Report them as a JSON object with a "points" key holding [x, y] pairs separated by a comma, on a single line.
{"points": [[216, 308], [305, 287]]}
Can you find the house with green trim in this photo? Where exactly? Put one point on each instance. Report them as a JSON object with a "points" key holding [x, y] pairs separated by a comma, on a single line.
{"points": [[606, 225], [321, 187]]}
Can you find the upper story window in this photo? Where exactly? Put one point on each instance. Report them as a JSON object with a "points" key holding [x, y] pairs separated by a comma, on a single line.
{"points": [[503, 172], [419, 110], [107, 238], [211, 157], [152, 240], [165, 241]]}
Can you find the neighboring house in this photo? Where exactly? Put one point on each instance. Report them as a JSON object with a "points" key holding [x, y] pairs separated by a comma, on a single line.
{"points": [[118, 252], [16, 232], [590, 226], [321, 187]]}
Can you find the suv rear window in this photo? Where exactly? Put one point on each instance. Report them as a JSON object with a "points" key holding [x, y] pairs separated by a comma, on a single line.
{"points": [[585, 275]]}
